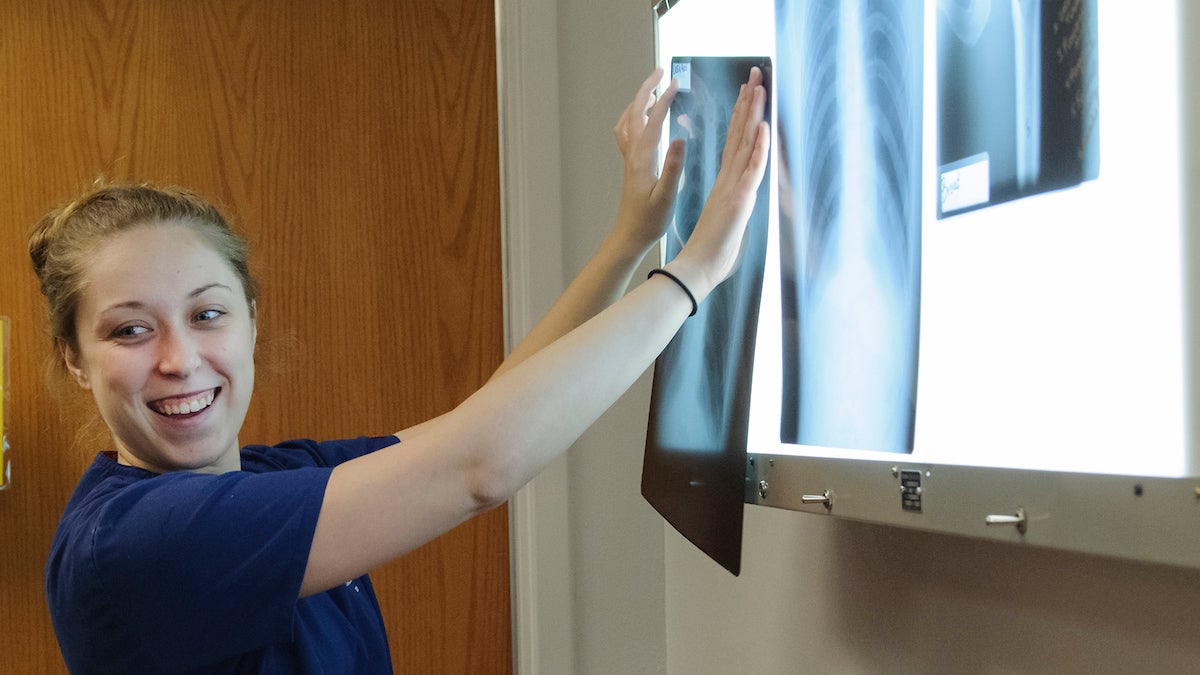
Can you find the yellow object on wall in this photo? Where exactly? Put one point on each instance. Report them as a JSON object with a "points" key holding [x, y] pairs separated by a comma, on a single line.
{"points": [[4, 468]]}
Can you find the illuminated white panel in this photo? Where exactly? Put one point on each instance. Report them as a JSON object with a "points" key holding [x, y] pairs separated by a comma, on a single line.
{"points": [[1051, 333]]}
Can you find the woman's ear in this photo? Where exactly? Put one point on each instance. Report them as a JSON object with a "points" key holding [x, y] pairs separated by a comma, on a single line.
{"points": [[74, 363]]}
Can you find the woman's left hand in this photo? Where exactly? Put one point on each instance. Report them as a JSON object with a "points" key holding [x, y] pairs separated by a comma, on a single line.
{"points": [[647, 197]]}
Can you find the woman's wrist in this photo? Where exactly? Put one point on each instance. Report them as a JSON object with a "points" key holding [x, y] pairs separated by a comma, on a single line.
{"points": [[680, 283], [690, 276], [620, 248]]}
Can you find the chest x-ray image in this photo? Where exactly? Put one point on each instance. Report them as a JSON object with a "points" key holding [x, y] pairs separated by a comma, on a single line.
{"points": [[1017, 99], [696, 442], [850, 120]]}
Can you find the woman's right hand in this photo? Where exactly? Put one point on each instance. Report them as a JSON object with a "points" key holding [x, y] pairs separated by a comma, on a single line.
{"points": [[710, 254]]}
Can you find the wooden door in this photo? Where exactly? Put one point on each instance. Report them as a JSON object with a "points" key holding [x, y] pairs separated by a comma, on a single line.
{"points": [[356, 144]]}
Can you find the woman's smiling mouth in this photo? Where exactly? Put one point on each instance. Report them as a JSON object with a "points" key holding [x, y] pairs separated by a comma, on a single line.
{"points": [[184, 405]]}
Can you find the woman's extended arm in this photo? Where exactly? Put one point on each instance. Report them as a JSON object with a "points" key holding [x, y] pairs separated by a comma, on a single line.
{"points": [[646, 202], [473, 458]]}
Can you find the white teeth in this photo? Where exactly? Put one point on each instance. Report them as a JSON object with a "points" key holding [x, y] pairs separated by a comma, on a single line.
{"points": [[181, 408]]}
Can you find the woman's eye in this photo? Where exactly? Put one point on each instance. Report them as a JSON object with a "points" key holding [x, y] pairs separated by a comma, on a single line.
{"points": [[130, 331], [209, 315]]}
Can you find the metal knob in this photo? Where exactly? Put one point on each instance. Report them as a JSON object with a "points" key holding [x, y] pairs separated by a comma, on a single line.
{"points": [[825, 498], [1019, 519]]}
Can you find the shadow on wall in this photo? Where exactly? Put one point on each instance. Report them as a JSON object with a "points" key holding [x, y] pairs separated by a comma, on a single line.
{"points": [[956, 604]]}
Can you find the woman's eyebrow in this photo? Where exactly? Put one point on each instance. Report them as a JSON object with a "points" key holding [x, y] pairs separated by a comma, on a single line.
{"points": [[138, 304], [129, 304], [206, 287]]}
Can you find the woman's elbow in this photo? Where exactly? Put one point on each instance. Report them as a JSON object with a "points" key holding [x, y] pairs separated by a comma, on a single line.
{"points": [[492, 483]]}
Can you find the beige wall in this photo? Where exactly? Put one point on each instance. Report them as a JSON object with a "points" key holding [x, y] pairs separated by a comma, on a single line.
{"points": [[823, 595], [816, 594], [616, 537]]}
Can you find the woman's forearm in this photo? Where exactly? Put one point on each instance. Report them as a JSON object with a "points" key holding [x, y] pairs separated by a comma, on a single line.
{"points": [[471, 459], [603, 280], [381, 505]]}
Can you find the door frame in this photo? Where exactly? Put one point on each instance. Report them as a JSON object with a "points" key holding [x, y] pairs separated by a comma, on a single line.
{"points": [[531, 232]]}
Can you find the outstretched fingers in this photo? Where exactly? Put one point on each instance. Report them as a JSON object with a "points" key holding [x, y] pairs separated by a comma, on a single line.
{"points": [[643, 118], [641, 100], [647, 196], [657, 113], [711, 252], [746, 142], [672, 169], [627, 123]]}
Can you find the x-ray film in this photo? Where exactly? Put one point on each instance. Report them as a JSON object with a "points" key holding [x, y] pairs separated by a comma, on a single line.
{"points": [[850, 185], [696, 443], [1018, 102]]}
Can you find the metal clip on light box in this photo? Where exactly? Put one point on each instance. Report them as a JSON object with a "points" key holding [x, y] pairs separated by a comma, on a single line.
{"points": [[825, 499], [1020, 519]]}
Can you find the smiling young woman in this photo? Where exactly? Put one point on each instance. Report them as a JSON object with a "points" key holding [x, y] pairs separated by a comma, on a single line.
{"points": [[165, 343], [183, 550]]}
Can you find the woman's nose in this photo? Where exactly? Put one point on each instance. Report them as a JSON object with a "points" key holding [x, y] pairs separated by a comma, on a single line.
{"points": [[179, 355]]}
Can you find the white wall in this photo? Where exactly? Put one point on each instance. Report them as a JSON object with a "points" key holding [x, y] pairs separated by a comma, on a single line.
{"points": [[816, 594]]}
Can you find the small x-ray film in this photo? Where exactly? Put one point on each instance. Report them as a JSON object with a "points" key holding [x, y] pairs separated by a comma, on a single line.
{"points": [[1018, 100], [696, 442]]}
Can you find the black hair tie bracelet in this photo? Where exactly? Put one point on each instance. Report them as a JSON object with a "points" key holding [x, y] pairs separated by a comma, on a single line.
{"points": [[682, 285]]}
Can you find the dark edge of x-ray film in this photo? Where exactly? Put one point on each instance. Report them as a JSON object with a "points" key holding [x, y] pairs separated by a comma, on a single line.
{"points": [[1018, 100], [694, 471]]}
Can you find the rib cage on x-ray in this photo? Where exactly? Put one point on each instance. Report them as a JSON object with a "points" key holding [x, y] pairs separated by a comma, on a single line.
{"points": [[850, 193], [694, 467], [704, 388], [702, 397]]}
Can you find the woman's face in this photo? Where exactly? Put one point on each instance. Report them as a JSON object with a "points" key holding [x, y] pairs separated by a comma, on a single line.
{"points": [[166, 346]]}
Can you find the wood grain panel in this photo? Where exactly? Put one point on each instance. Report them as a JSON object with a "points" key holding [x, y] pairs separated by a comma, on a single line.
{"points": [[356, 144]]}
